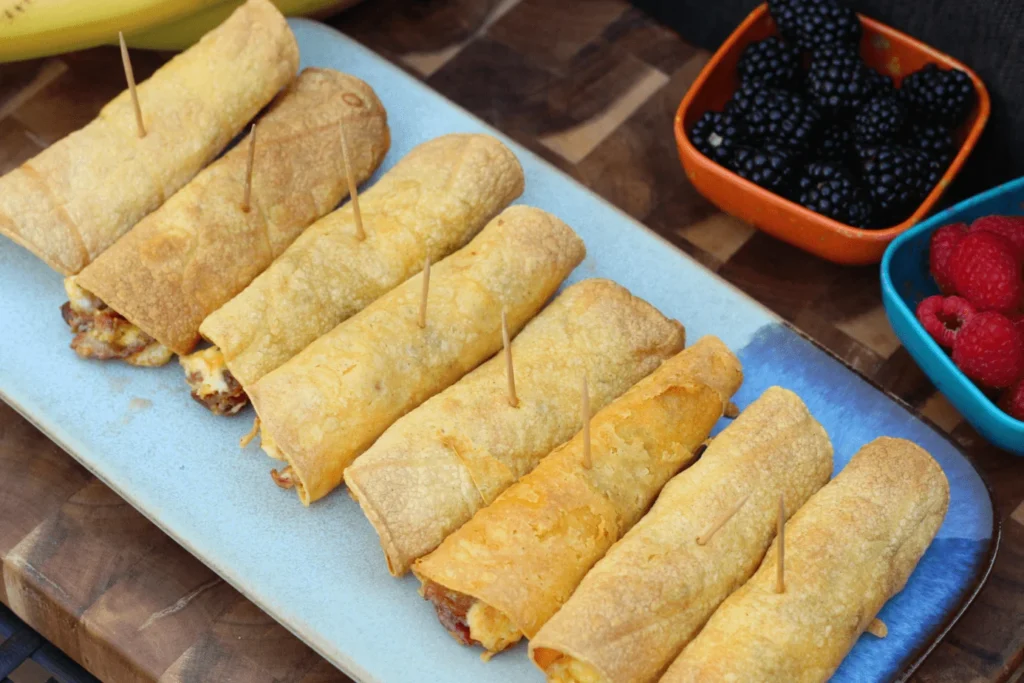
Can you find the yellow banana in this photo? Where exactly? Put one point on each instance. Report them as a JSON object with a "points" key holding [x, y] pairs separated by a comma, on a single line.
{"points": [[35, 28], [180, 34]]}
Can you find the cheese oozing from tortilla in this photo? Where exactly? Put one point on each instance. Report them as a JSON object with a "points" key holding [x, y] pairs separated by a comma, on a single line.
{"points": [[491, 628], [211, 382], [102, 333], [208, 368], [572, 670]]}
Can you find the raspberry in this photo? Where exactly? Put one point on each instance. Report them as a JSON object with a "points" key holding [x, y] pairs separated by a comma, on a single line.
{"points": [[943, 244], [985, 271], [1012, 401], [1018, 322], [944, 317], [989, 350], [1010, 227]]}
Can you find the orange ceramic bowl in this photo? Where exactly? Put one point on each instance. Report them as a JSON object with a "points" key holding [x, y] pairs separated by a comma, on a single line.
{"points": [[884, 49]]}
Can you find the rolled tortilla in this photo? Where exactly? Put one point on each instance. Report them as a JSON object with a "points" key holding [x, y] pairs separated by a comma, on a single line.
{"points": [[200, 248], [648, 597], [75, 198], [849, 549], [505, 572], [434, 468], [325, 406], [431, 203]]}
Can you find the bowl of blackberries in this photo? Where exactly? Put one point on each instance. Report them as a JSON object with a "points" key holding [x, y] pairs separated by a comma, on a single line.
{"points": [[828, 129]]}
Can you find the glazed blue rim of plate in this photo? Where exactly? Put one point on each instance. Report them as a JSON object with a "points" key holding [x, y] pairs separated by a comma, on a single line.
{"points": [[929, 640]]}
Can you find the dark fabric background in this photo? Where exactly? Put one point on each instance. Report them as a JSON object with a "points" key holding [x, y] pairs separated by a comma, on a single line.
{"points": [[987, 35]]}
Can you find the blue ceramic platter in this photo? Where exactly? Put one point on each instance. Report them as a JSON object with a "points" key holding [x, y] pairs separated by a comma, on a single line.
{"points": [[320, 571], [906, 282]]}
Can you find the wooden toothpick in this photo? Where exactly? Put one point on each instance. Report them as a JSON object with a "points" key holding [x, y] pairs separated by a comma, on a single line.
{"points": [[587, 463], [130, 76], [780, 569], [353, 191], [513, 400], [878, 629], [720, 522], [426, 289], [247, 197]]}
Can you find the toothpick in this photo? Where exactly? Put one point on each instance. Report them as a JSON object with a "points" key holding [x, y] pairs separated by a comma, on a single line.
{"points": [[130, 75], [247, 197], [587, 463], [248, 438], [426, 288], [731, 411], [353, 191], [780, 568], [720, 522], [513, 400], [878, 629]]}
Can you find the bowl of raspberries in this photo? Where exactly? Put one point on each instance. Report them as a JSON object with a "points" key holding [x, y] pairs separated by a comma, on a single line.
{"points": [[827, 129], [953, 288]]}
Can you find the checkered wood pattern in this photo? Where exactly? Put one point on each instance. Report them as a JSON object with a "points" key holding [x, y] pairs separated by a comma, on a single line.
{"points": [[591, 86]]}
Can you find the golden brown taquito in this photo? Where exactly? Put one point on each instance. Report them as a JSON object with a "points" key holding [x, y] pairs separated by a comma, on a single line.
{"points": [[704, 537], [75, 198], [324, 407], [505, 572], [201, 247], [434, 468], [849, 549], [431, 203]]}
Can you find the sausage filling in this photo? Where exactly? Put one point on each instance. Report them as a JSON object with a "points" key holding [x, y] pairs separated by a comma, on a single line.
{"points": [[102, 333], [470, 621], [212, 383]]}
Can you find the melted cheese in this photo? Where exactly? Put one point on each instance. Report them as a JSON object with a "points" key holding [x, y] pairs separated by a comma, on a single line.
{"points": [[210, 367], [122, 335], [81, 300], [268, 445], [491, 627], [570, 670], [154, 355]]}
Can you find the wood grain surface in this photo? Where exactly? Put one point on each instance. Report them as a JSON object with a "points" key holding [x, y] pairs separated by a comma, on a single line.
{"points": [[590, 85]]}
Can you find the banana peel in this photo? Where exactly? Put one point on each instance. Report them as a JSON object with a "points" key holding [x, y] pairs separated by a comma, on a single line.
{"points": [[180, 34], [37, 28]]}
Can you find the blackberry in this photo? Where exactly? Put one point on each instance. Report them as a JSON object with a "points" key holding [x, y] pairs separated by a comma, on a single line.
{"points": [[838, 80], [881, 119], [939, 96], [813, 23], [771, 167], [831, 190], [835, 143], [897, 180], [744, 98], [770, 62], [786, 16], [715, 135], [778, 116], [937, 141], [934, 170]]}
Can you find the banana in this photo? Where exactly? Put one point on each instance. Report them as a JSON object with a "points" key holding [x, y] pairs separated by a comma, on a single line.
{"points": [[35, 28], [180, 34]]}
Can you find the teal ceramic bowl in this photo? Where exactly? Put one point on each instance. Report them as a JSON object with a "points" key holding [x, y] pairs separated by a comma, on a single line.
{"points": [[906, 281]]}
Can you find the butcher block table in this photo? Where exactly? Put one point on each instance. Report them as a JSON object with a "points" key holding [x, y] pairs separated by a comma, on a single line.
{"points": [[590, 85]]}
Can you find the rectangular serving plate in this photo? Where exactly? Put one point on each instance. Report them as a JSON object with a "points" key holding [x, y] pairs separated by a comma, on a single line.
{"points": [[320, 571]]}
